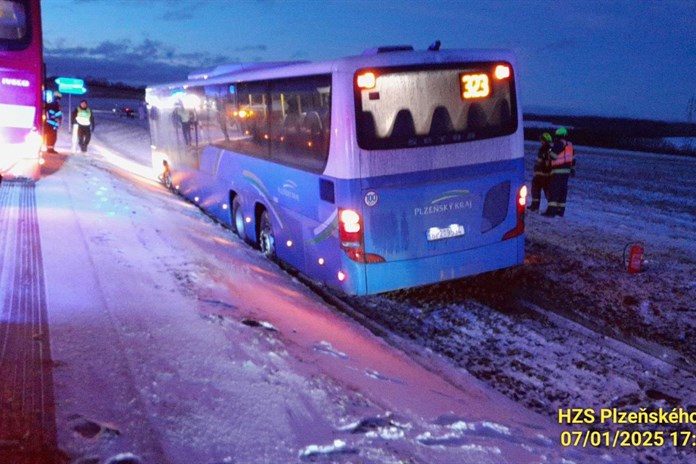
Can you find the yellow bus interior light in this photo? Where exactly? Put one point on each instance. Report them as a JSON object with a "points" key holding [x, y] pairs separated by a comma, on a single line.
{"points": [[502, 71], [367, 80]]}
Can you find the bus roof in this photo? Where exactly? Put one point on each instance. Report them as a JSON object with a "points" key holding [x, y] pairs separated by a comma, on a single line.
{"points": [[232, 68], [377, 57]]}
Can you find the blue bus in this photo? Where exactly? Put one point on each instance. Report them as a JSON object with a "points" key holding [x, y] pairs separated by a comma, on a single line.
{"points": [[392, 169]]}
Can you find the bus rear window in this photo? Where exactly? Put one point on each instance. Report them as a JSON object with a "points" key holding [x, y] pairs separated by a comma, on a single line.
{"points": [[416, 107], [14, 24]]}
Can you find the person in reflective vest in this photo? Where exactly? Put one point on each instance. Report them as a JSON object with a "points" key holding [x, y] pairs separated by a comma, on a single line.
{"points": [[183, 116], [562, 161], [542, 172], [54, 116], [83, 118]]}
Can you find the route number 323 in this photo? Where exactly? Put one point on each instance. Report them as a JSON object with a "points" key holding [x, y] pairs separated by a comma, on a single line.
{"points": [[474, 86]]}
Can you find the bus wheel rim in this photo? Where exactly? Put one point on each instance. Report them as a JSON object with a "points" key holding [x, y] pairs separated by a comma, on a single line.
{"points": [[238, 217], [266, 237]]}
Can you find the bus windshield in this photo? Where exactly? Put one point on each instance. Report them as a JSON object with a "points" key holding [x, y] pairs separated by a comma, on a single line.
{"points": [[415, 107], [14, 25]]}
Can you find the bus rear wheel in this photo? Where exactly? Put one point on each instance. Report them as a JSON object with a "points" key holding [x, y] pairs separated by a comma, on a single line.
{"points": [[267, 237], [237, 217]]}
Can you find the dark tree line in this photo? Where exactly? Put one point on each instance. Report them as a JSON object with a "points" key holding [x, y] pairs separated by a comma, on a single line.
{"points": [[618, 133]]}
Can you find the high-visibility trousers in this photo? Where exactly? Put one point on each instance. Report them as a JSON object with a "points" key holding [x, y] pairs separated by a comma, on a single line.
{"points": [[558, 190]]}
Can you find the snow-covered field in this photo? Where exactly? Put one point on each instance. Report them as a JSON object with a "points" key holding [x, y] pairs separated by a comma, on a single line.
{"points": [[181, 344], [575, 269]]}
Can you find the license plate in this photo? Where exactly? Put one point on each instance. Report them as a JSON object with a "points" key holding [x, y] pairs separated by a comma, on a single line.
{"points": [[453, 230]]}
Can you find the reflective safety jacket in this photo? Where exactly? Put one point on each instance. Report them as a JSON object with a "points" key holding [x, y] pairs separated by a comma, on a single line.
{"points": [[542, 165], [83, 117], [562, 157]]}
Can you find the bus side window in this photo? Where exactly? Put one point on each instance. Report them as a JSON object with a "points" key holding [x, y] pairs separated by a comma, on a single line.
{"points": [[312, 128], [252, 118], [300, 136], [291, 124]]}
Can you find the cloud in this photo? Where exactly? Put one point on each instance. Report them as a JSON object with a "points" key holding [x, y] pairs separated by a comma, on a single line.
{"points": [[107, 48], [129, 73], [183, 14], [126, 61], [252, 48]]}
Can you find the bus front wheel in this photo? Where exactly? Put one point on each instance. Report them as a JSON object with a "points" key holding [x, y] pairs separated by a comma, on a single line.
{"points": [[166, 176], [167, 179], [266, 237]]}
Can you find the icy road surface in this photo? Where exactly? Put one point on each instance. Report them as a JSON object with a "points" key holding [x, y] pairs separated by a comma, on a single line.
{"points": [[173, 342], [210, 354]]}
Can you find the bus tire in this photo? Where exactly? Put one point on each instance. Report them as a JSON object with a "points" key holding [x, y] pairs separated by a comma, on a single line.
{"points": [[167, 179], [267, 237], [238, 217]]}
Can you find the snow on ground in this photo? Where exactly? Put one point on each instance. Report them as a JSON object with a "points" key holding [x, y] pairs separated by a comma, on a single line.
{"points": [[173, 342], [574, 267], [682, 142], [200, 335]]}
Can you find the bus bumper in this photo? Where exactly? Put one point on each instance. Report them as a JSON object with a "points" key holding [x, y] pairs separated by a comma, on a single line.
{"points": [[385, 277]]}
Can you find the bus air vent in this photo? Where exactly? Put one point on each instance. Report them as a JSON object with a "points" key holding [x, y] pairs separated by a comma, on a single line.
{"points": [[326, 191], [495, 206]]}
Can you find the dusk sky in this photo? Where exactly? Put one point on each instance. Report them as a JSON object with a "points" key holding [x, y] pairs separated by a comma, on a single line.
{"points": [[628, 58]]}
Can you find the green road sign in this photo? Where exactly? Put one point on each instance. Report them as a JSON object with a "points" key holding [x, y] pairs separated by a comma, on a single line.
{"points": [[70, 82], [71, 85], [72, 90]]}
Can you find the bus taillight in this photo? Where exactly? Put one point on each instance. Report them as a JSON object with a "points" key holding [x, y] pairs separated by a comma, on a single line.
{"points": [[350, 235], [522, 197], [520, 203], [350, 227]]}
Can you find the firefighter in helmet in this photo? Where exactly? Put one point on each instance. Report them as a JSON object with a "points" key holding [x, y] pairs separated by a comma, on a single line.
{"points": [[562, 160], [54, 116], [542, 172]]}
